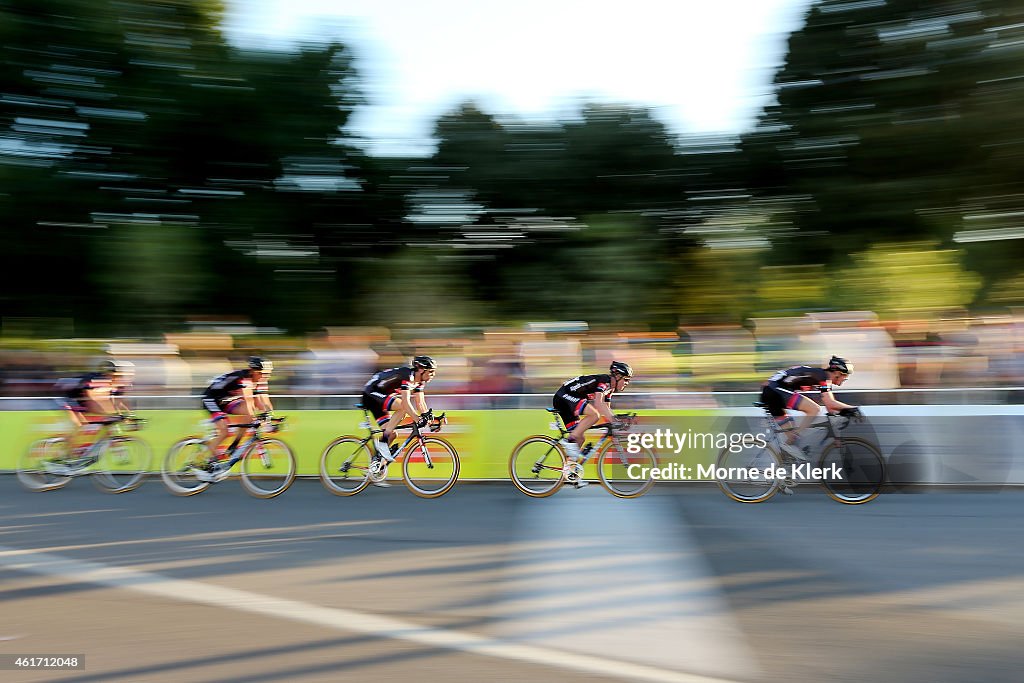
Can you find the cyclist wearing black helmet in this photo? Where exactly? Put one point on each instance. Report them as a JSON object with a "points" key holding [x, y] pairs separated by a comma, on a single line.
{"points": [[582, 401], [782, 392], [392, 394], [237, 396]]}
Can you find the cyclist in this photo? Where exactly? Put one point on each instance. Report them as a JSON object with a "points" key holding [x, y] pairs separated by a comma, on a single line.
{"points": [[392, 394], [583, 400], [782, 392], [237, 396], [95, 397]]}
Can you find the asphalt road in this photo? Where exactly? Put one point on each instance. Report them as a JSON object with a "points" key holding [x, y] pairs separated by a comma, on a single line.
{"points": [[486, 584]]}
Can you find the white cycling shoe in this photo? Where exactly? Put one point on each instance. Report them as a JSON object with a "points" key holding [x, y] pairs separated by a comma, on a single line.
{"points": [[383, 450], [572, 449]]}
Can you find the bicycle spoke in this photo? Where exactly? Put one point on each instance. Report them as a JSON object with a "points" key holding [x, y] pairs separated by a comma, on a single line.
{"points": [[536, 465], [345, 466], [430, 467]]}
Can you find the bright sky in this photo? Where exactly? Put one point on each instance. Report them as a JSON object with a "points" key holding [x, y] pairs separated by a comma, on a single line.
{"points": [[705, 67]]}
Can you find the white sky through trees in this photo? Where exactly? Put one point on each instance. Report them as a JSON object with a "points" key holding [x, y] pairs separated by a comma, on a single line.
{"points": [[705, 67]]}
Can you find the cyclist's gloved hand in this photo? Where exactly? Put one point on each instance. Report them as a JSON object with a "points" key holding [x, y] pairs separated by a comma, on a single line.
{"points": [[423, 421], [619, 426], [852, 413]]}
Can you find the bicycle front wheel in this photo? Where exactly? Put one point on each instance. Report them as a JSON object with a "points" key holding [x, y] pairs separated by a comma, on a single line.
{"points": [[623, 474], [122, 465], [430, 466], [345, 466], [37, 466], [268, 468], [748, 475], [853, 472], [537, 466], [180, 463]]}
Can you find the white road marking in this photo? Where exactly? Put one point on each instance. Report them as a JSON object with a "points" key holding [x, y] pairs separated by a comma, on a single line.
{"points": [[624, 579], [47, 564]]}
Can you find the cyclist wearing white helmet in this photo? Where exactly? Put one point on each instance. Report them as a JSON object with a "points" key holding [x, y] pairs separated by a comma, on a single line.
{"points": [[97, 394], [582, 401], [782, 392], [392, 394]]}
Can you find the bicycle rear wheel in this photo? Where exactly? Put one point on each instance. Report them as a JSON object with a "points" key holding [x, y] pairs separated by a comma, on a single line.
{"points": [[430, 466], [345, 466], [853, 473], [749, 475], [623, 474], [180, 463], [122, 465], [37, 465], [268, 468], [536, 466]]}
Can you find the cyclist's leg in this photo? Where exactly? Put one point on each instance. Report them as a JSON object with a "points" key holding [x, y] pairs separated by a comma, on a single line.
{"points": [[809, 408], [588, 417], [777, 401], [235, 412], [218, 418], [394, 405], [378, 404], [75, 413], [569, 408]]}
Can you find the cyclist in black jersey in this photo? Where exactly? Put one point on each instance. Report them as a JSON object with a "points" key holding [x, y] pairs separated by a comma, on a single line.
{"points": [[237, 396], [392, 394], [582, 401], [95, 396], [782, 392]]}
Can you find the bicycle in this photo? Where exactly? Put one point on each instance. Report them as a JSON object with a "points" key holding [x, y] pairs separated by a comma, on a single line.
{"points": [[117, 463], [268, 465], [539, 465], [430, 465], [850, 469]]}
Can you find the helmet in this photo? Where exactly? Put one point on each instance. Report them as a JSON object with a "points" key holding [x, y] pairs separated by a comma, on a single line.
{"points": [[620, 368], [425, 362], [110, 367], [257, 363], [841, 364]]}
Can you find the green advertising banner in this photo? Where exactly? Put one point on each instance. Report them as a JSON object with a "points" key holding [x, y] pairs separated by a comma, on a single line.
{"points": [[484, 439]]}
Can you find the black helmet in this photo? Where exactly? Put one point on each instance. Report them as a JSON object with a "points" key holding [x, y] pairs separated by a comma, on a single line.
{"points": [[841, 364], [110, 367], [620, 368], [425, 362], [257, 363]]}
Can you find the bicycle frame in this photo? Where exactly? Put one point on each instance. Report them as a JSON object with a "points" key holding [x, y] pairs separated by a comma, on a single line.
{"points": [[108, 434], [244, 440], [584, 457], [831, 432], [414, 434]]}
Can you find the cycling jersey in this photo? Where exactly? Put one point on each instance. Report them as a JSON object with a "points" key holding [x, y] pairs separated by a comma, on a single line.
{"points": [[229, 383], [801, 378], [381, 392], [587, 386], [392, 381], [574, 395], [782, 390]]}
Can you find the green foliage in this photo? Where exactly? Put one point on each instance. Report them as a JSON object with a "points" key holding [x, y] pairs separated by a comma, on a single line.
{"points": [[907, 278], [149, 172]]}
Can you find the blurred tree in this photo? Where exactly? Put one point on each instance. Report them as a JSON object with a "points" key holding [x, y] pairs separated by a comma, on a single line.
{"points": [[115, 111], [894, 119], [893, 279], [717, 285]]}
